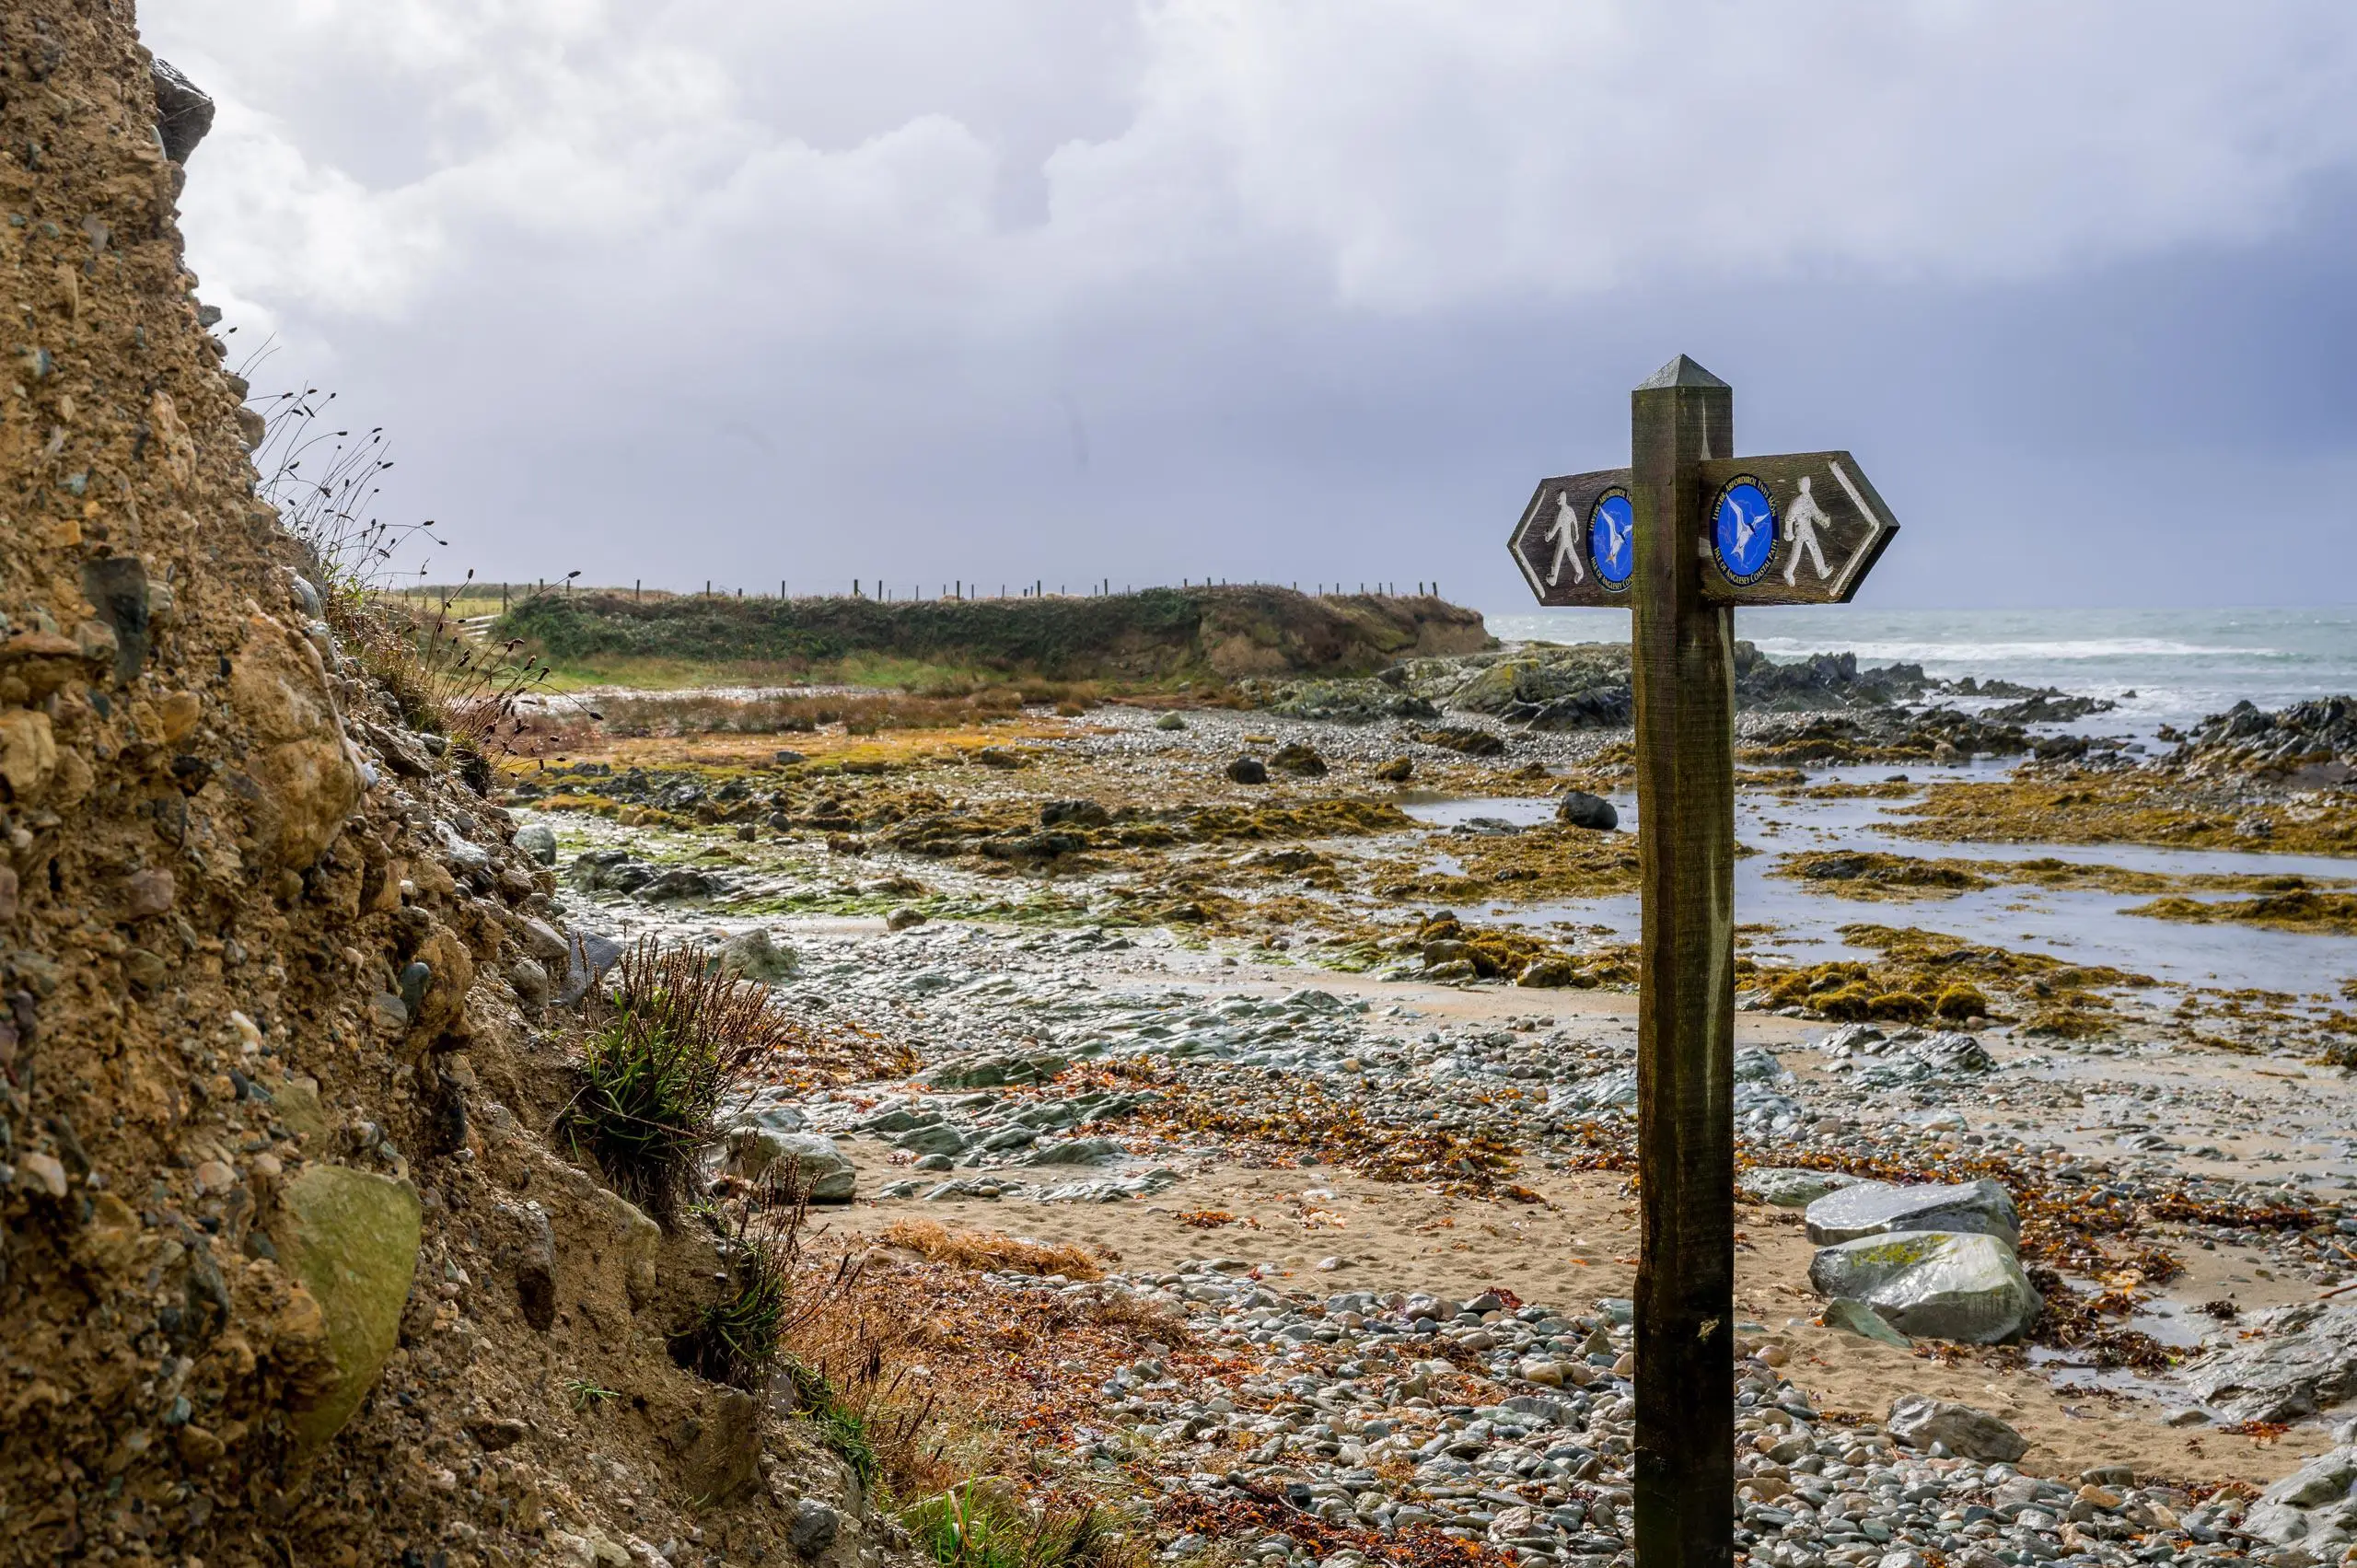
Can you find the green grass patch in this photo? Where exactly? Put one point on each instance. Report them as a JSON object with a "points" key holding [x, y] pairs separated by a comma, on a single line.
{"points": [[981, 1524], [665, 1042]]}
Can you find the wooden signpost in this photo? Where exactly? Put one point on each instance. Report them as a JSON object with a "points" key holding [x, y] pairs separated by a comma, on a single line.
{"points": [[1680, 537]]}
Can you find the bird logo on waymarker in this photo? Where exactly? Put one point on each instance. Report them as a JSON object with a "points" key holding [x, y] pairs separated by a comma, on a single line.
{"points": [[1611, 531], [1746, 530]]}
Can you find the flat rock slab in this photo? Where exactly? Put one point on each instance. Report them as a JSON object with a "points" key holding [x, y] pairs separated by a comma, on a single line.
{"points": [[1919, 1422], [1880, 1208], [1964, 1286], [1853, 1316], [2311, 1508], [1790, 1188], [2306, 1363]]}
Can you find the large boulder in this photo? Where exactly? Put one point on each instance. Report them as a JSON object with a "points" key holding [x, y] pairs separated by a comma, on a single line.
{"points": [[823, 1172], [1965, 1286], [756, 954], [1920, 1420], [351, 1239], [1578, 809], [2311, 1509], [537, 841], [1880, 1208], [2306, 1362]]}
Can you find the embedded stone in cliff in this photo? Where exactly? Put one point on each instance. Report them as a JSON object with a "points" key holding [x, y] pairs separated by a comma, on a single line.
{"points": [[632, 1241], [723, 1448], [442, 991], [298, 781], [27, 753], [351, 1239], [183, 111], [118, 585]]}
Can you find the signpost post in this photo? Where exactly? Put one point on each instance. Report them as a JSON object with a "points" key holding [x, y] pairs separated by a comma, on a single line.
{"points": [[1679, 538]]}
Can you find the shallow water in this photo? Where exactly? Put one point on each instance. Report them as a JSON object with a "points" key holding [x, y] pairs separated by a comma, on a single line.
{"points": [[2079, 927]]}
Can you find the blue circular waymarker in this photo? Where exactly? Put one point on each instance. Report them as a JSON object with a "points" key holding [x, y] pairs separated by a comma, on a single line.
{"points": [[1744, 531], [1612, 541]]}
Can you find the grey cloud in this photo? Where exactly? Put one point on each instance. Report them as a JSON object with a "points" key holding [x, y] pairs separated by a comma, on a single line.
{"points": [[1026, 288]]}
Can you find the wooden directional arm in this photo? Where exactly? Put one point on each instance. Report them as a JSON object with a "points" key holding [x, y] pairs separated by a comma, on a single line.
{"points": [[1553, 543], [1830, 528]]}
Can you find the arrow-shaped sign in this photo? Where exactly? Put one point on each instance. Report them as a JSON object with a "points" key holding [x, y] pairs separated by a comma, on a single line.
{"points": [[1800, 528], [1576, 542]]}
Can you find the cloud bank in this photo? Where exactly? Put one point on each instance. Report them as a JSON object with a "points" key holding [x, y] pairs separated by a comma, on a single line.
{"points": [[1315, 291]]}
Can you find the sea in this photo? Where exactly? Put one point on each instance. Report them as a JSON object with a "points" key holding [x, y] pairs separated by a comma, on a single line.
{"points": [[2159, 666], [2171, 667]]}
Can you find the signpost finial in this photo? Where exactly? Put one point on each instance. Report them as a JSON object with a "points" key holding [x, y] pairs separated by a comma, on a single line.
{"points": [[1679, 372]]}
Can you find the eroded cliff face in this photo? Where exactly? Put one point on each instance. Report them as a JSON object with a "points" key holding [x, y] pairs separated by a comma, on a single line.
{"points": [[288, 1271]]}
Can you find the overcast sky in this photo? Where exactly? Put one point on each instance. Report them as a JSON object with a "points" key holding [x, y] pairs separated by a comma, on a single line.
{"points": [[1297, 290]]}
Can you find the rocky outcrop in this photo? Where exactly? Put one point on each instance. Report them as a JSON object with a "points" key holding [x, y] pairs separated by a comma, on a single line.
{"points": [[2301, 1361], [289, 1271], [2310, 744], [2313, 1510]]}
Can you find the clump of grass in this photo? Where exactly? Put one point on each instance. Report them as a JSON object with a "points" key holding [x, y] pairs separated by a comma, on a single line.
{"points": [[584, 1393], [737, 1340], [481, 695], [981, 1524], [991, 1250], [841, 1429], [667, 1041], [324, 483]]}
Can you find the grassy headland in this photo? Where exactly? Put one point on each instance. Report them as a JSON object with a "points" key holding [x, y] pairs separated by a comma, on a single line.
{"points": [[1157, 637]]}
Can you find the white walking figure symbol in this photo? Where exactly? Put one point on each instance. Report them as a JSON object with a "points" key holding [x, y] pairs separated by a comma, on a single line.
{"points": [[1800, 526], [1565, 529]]}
